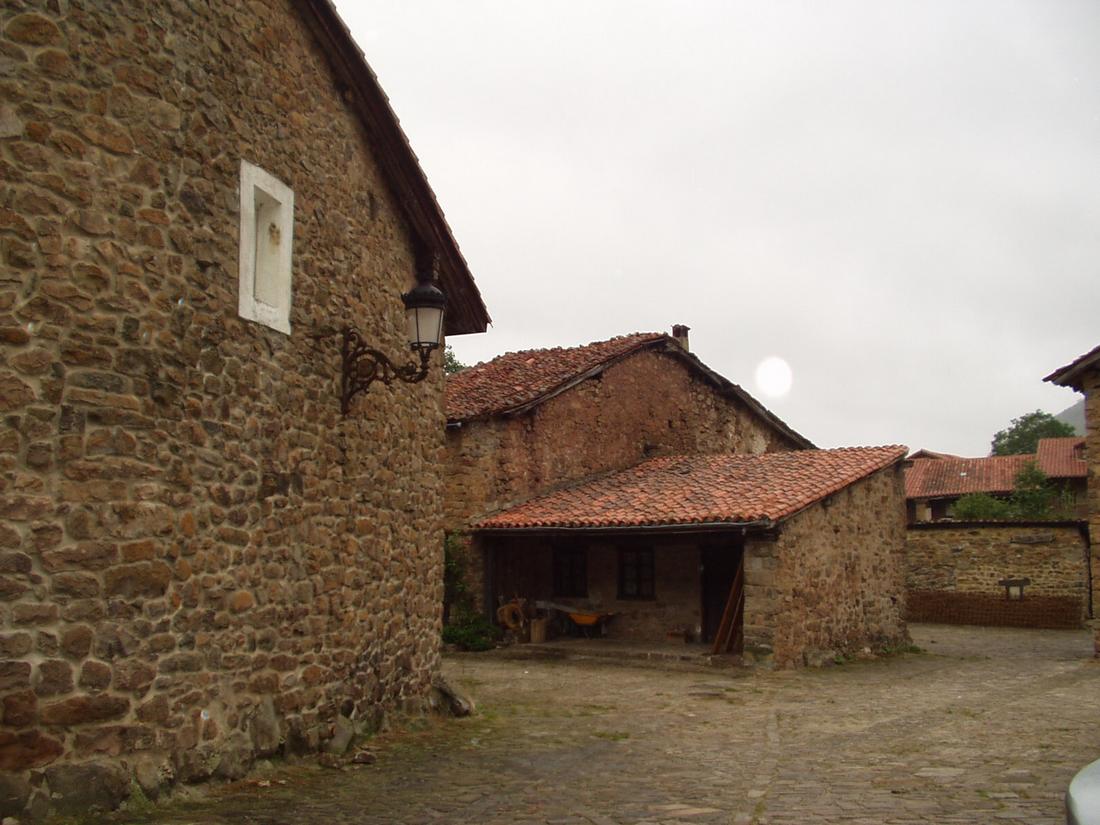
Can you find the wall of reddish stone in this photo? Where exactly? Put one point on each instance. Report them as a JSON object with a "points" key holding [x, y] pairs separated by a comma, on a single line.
{"points": [[944, 607], [524, 567], [972, 559], [833, 581], [647, 405], [201, 561]]}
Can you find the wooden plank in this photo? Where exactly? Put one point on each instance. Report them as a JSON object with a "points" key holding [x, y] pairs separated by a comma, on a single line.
{"points": [[737, 634], [731, 629]]}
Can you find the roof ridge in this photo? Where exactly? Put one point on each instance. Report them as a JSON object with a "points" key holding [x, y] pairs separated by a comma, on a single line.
{"points": [[534, 350]]}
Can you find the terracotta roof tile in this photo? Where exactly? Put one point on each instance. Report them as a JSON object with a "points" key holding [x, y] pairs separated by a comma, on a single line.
{"points": [[516, 381], [1063, 457], [700, 489], [518, 378], [940, 477]]}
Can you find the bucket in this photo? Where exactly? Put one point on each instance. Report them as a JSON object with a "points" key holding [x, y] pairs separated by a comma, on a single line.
{"points": [[538, 631]]}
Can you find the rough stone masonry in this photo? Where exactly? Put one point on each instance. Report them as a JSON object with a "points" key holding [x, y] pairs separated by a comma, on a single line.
{"points": [[201, 561]]}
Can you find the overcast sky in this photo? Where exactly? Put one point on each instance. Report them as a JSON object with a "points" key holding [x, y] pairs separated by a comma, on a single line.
{"points": [[900, 199]]}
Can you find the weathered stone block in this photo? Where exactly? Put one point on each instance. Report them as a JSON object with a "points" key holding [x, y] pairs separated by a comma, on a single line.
{"points": [[33, 29], [80, 789], [22, 751], [54, 677], [79, 710], [76, 641], [95, 676], [20, 709], [15, 675], [142, 579]]}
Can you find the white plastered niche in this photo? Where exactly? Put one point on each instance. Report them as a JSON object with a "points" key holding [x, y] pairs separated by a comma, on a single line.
{"points": [[267, 235]]}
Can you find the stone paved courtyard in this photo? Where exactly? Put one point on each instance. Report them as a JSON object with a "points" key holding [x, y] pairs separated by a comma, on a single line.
{"points": [[987, 726]]}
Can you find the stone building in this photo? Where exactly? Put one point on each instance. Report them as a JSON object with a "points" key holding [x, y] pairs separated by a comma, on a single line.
{"points": [[202, 560], [530, 422], [808, 546], [1083, 375], [935, 481], [563, 466]]}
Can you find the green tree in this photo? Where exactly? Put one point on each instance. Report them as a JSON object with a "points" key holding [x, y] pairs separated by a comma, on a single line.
{"points": [[451, 364], [1034, 497], [1023, 434], [982, 507]]}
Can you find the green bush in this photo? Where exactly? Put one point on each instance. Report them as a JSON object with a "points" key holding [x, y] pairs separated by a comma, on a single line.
{"points": [[982, 507], [462, 624], [1033, 498], [470, 631]]}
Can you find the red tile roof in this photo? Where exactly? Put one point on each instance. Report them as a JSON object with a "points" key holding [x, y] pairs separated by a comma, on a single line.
{"points": [[517, 381], [1063, 457], [519, 378], [700, 489], [941, 477], [923, 453], [1071, 374]]}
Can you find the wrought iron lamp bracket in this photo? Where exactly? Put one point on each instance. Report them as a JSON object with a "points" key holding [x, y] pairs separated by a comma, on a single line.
{"points": [[363, 365]]}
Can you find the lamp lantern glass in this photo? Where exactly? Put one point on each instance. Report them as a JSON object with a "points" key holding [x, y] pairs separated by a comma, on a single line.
{"points": [[424, 305]]}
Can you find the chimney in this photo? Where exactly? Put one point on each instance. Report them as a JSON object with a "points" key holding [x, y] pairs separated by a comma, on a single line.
{"points": [[680, 336]]}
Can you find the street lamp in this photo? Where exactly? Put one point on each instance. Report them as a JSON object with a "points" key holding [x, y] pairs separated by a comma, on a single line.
{"points": [[363, 365]]}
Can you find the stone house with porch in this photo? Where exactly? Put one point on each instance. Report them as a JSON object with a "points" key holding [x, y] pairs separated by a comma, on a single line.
{"points": [[800, 552], [203, 560], [530, 422], [636, 423]]}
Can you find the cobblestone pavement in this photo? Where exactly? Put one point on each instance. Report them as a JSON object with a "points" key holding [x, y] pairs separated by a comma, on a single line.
{"points": [[988, 726]]}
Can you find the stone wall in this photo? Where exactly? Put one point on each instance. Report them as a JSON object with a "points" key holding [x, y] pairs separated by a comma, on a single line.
{"points": [[647, 405], [943, 607], [833, 580], [524, 567], [964, 559], [201, 561]]}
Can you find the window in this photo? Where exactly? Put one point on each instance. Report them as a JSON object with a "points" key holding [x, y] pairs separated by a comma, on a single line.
{"points": [[636, 574], [570, 572], [267, 228]]}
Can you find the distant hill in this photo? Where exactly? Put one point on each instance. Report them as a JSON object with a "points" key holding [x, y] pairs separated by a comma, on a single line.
{"points": [[1074, 416]]}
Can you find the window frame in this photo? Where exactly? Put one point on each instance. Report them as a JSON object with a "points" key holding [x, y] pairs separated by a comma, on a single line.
{"points": [[643, 561], [274, 195]]}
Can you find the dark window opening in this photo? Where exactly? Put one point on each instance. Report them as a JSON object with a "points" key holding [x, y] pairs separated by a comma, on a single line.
{"points": [[636, 574], [570, 572]]}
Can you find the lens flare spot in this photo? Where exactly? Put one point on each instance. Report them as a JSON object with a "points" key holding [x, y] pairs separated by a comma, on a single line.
{"points": [[773, 377]]}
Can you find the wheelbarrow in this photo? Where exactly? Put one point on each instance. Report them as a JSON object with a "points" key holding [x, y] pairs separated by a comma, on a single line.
{"points": [[585, 621]]}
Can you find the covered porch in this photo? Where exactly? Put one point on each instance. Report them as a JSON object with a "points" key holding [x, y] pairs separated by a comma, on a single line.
{"points": [[675, 587]]}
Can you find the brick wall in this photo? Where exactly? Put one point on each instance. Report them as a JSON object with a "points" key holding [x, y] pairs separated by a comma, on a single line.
{"points": [[833, 581], [646, 405], [960, 561], [201, 561]]}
